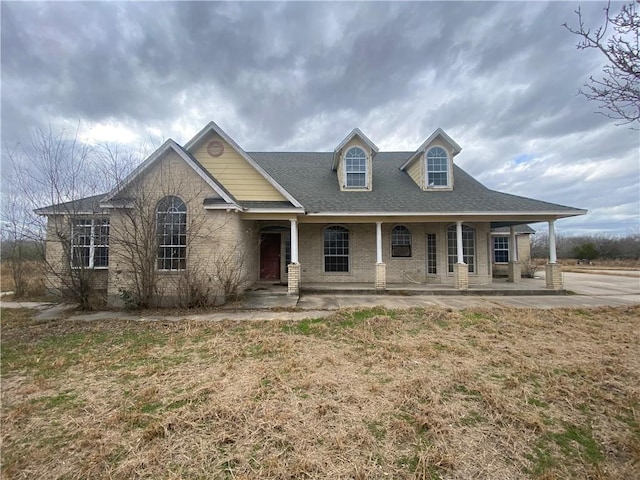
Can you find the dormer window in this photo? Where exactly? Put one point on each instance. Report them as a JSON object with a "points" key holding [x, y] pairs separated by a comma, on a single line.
{"points": [[437, 168], [355, 164]]}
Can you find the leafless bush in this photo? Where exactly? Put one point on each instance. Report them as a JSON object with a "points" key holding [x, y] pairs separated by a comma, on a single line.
{"points": [[529, 268], [230, 273]]}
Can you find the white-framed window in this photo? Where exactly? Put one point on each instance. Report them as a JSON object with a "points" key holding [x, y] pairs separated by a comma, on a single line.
{"points": [[432, 259], [90, 242], [437, 168], [468, 247], [336, 249], [400, 241], [501, 249], [355, 168], [171, 221]]}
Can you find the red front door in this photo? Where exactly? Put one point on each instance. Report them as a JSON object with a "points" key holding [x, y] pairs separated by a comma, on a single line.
{"points": [[270, 256]]}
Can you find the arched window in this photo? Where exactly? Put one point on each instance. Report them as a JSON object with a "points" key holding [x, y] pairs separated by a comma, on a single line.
{"points": [[171, 221], [437, 167], [355, 165], [400, 241], [336, 249], [468, 247]]}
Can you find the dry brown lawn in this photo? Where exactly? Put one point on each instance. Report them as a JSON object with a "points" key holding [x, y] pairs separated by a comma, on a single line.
{"points": [[491, 394], [33, 277]]}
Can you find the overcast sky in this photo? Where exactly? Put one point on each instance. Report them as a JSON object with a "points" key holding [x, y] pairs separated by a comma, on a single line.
{"points": [[500, 78]]}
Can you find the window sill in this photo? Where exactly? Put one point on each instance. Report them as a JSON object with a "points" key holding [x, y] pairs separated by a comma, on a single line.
{"points": [[89, 268]]}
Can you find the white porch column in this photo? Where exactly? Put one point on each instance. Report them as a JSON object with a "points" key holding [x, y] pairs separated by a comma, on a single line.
{"points": [[459, 241], [293, 270], [515, 270], [513, 245], [381, 269], [553, 270], [378, 242], [552, 242], [294, 240], [460, 269]]}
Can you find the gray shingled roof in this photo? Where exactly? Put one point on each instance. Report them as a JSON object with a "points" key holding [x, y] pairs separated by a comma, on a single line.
{"points": [[518, 229], [83, 206], [309, 178]]}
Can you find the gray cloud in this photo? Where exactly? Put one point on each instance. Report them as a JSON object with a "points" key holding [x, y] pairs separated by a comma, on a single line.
{"points": [[500, 77]]}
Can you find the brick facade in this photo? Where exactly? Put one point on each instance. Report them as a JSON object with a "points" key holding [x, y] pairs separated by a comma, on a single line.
{"points": [[381, 277], [461, 276], [553, 274], [362, 247]]}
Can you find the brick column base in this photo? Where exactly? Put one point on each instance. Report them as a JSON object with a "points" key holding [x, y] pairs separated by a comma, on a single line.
{"points": [[553, 274], [515, 272], [381, 277], [461, 276], [293, 275]]}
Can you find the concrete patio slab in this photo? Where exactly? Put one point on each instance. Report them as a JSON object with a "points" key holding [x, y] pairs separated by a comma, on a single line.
{"points": [[590, 290]]}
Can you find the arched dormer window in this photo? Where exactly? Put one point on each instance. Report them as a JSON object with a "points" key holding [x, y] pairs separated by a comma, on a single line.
{"points": [[437, 168], [400, 241], [171, 222], [355, 168]]}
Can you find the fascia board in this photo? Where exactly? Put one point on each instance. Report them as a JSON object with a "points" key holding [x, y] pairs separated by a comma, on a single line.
{"points": [[237, 208], [213, 127], [274, 210], [41, 212], [547, 214]]}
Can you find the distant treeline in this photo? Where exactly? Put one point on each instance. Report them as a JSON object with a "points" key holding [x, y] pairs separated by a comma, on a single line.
{"points": [[21, 249], [590, 247]]}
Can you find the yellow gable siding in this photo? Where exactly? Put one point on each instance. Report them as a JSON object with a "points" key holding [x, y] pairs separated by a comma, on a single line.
{"points": [[415, 171], [236, 174]]}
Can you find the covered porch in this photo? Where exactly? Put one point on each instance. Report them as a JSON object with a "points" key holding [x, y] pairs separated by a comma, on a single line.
{"points": [[453, 250]]}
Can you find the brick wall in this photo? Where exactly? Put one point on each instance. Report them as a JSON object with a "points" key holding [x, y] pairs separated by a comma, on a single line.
{"points": [[362, 245], [57, 274], [219, 243]]}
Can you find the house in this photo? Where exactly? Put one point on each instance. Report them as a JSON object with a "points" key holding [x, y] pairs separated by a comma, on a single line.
{"points": [[211, 212]]}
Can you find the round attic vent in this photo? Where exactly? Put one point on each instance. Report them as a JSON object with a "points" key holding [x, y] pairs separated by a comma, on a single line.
{"points": [[215, 148]]}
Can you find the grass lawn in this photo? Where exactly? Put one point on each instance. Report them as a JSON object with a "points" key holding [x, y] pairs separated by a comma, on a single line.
{"points": [[491, 394]]}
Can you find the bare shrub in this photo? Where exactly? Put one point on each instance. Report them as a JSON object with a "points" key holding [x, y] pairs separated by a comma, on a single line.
{"points": [[230, 272]]}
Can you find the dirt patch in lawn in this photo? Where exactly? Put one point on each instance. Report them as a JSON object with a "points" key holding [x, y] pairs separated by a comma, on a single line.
{"points": [[376, 393]]}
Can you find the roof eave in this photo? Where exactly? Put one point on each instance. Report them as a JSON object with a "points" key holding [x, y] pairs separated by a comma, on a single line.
{"points": [[543, 215], [297, 211]]}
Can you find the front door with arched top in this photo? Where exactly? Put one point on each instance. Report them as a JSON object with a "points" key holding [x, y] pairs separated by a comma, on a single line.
{"points": [[270, 256]]}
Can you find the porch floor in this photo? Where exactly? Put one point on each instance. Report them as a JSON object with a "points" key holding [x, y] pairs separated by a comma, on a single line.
{"points": [[499, 286]]}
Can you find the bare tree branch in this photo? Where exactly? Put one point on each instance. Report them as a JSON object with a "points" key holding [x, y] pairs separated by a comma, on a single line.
{"points": [[618, 90]]}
